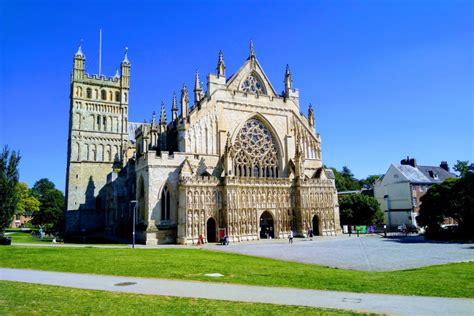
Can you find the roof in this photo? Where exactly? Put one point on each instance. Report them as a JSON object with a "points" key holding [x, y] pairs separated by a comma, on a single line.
{"points": [[424, 174], [435, 174], [412, 174]]}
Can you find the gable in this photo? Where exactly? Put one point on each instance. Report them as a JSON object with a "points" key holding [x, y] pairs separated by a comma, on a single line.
{"points": [[251, 72]]}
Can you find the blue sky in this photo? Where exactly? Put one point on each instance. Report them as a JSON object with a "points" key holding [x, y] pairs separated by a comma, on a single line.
{"points": [[387, 79]]}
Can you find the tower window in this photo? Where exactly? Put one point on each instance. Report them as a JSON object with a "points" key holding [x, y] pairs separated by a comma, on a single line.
{"points": [[103, 95], [165, 204], [89, 93]]}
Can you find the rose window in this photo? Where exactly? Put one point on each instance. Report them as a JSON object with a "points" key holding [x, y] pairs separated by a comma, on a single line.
{"points": [[252, 85], [256, 152]]}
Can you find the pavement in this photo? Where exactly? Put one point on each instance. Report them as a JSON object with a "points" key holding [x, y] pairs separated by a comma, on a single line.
{"points": [[367, 252], [376, 303]]}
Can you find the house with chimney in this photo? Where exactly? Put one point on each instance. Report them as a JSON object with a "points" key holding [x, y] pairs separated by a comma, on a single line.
{"points": [[399, 191]]}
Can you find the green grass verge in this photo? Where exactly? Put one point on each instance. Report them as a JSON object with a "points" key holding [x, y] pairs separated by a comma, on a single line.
{"points": [[450, 280], [34, 299], [27, 238]]}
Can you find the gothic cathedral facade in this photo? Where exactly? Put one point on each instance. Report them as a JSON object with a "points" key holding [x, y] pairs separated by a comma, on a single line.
{"points": [[241, 161]]}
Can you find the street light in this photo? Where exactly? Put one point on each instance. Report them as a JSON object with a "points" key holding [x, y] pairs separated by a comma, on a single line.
{"points": [[134, 215]]}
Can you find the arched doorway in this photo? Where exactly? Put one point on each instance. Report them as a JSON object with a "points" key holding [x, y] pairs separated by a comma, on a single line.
{"points": [[316, 225], [211, 230], [266, 225]]}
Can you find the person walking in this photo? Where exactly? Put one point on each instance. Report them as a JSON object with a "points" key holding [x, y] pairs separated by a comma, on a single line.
{"points": [[290, 237]]}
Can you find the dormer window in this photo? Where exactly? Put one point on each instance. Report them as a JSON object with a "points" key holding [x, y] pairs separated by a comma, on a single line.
{"points": [[252, 85]]}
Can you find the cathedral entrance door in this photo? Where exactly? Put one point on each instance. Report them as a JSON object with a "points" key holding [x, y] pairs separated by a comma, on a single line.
{"points": [[211, 230], [316, 225], [266, 225]]}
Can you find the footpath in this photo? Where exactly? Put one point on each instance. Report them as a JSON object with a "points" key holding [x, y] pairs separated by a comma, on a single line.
{"points": [[377, 303]]}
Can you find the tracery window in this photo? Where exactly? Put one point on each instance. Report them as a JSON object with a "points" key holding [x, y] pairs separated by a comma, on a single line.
{"points": [[252, 85], [256, 152]]}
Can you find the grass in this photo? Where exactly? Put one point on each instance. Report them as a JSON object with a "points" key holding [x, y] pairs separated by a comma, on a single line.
{"points": [[450, 280], [26, 237], [33, 299]]}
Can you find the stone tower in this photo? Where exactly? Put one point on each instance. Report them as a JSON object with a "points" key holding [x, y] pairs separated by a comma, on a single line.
{"points": [[97, 141]]}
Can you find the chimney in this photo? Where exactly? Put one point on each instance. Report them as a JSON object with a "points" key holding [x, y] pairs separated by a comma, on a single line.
{"points": [[444, 165], [409, 161]]}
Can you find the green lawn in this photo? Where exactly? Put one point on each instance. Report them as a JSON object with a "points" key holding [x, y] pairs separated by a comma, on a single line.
{"points": [[33, 299], [451, 280], [26, 237]]}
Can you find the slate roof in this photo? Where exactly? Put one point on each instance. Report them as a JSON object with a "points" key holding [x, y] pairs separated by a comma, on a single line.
{"points": [[412, 174], [437, 174], [424, 174]]}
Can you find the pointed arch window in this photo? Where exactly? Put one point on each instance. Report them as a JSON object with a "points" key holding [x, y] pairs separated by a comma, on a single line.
{"points": [[256, 151], [165, 204], [252, 84], [89, 93], [103, 95]]}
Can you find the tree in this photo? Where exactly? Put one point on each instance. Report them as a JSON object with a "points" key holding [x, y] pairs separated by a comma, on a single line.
{"points": [[463, 167], [27, 203], [369, 181], [359, 209], [50, 213], [8, 184], [345, 180], [454, 198]]}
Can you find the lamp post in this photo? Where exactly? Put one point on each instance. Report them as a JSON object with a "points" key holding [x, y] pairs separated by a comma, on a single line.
{"points": [[134, 215]]}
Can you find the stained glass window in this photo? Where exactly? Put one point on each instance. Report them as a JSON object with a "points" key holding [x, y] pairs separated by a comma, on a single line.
{"points": [[253, 85], [256, 152]]}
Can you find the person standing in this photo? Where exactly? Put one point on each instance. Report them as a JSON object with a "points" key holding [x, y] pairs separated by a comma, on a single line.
{"points": [[290, 237]]}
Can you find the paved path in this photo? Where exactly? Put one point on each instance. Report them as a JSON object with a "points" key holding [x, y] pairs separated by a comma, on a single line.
{"points": [[378, 303], [369, 253]]}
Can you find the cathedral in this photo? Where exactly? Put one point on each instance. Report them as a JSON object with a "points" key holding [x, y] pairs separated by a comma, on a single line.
{"points": [[241, 161]]}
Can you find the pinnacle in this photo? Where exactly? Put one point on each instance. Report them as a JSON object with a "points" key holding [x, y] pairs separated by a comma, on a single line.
{"points": [[125, 58]]}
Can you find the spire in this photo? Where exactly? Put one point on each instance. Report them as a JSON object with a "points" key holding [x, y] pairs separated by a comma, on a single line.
{"points": [[117, 75], [197, 88], [252, 52], [310, 116], [125, 57], [174, 108], [79, 52], [163, 114], [153, 119], [220, 65], [184, 102], [288, 81]]}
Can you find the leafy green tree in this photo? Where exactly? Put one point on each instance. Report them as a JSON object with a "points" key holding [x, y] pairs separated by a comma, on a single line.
{"points": [[369, 181], [8, 186], [462, 167], [359, 209], [462, 204], [454, 198], [27, 203], [434, 205], [50, 213], [345, 180]]}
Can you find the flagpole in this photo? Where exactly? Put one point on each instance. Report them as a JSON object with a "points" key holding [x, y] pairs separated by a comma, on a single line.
{"points": [[100, 52]]}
